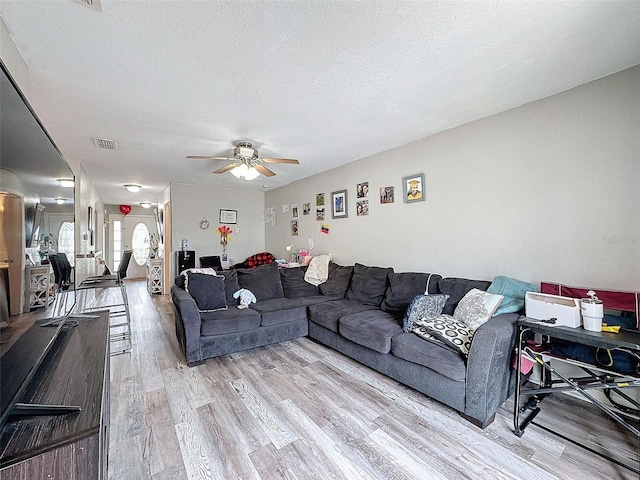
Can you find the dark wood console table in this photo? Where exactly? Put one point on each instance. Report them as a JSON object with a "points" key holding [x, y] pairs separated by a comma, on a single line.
{"points": [[73, 445]]}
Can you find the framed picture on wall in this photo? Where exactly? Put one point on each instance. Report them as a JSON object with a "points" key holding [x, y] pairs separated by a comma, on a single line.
{"points": [[386, 194], [339, 204], [413, 188], [228, 216], [362, 190]]}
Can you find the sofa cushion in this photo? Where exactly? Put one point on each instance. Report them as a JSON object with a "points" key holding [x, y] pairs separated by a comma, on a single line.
{"points": [[423, 306], [447, 329], [337, 283], [230, 285], [414, 349], [263, 281], [477, 307], [207, 291], [403, 288], [328, 313], [457, 288], [279, 310], [294, 284], [232, 320], [373, 329], [314, 299], [368, 284]]}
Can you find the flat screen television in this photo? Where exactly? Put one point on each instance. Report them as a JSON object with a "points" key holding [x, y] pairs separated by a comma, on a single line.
{"points": [[30, 165]]}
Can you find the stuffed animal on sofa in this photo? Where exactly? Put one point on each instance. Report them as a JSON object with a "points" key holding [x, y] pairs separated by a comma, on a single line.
{"points": [[246, 297]]}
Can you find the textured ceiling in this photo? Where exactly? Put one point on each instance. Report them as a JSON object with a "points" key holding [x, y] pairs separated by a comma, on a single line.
{"points": [[326, 82]]}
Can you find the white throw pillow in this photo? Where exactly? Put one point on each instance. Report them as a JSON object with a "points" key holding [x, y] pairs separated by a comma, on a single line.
{"points": [[477, 307]]}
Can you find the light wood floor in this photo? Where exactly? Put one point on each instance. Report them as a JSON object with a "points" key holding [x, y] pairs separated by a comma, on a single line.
{"points": [[299, 410]]}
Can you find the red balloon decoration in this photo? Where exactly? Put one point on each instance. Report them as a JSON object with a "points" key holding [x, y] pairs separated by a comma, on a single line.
{"points": [[125, 209]]}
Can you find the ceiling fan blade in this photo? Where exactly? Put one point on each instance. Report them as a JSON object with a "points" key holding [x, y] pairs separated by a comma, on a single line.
{"points": [[281, 160], [207, 157], [264, 170], [226, 168]]}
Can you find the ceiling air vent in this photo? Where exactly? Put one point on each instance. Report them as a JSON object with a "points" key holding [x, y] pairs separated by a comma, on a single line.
{"points": [[104, 143]]}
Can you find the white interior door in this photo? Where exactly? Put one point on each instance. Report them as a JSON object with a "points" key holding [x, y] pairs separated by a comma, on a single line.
{"points": [[121, 231]]}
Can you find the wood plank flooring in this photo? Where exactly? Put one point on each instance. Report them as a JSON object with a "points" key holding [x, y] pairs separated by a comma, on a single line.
{"points": [[299, 410]]}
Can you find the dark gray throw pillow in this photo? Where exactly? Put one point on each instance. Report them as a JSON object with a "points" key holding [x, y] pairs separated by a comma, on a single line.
{"points": [[294, 284], [338, 280], [403, 288], [207, 291], [368, 284], [263, 281]]}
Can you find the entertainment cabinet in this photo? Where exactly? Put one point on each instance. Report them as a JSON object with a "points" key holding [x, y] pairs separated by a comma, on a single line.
{"points": [[75, 371]]}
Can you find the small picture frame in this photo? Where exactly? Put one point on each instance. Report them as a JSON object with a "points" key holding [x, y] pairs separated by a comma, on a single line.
{"points": [[386, 194], [228, 216], [362, 190], [295, 210], [362, 208], [319, 199], [294, 228], [306, 208], [413, 188], [339, 204]]}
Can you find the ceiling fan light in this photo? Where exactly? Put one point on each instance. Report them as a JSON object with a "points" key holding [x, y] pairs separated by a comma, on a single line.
{"points": [[251, 173], [240, 171]]}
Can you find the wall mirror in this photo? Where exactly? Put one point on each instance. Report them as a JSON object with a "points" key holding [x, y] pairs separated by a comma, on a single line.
{"points": [[36, 210]]}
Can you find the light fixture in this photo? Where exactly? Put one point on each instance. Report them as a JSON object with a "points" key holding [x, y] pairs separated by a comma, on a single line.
{"points": [[245, 170], [240, 171], [145, 204], [66, 182], [132, 187], [251, 173], [60, 201]]}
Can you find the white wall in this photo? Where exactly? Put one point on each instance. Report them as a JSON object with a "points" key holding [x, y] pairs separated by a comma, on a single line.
{"points": [[191, 203], [546, 191]]}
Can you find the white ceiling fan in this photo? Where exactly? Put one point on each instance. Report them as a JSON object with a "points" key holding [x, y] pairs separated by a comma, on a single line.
{"points": [[245, 162]]}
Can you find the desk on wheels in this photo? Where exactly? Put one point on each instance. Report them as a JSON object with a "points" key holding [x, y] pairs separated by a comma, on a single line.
{"points": [[554, 381]]}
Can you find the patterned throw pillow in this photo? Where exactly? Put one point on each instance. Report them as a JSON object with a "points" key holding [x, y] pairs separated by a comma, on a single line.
{"points": [[423, 306], [447, 329], [476, 308]]}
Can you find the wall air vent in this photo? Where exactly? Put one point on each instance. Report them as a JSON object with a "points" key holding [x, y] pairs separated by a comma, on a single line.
{"points": [[104, 143]]}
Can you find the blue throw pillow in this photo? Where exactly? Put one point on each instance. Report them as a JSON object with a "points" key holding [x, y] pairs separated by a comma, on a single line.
{"points": [[207, 291], [513, 291], [423, 306]]}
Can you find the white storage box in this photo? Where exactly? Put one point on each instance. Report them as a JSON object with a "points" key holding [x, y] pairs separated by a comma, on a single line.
{"points": [[542, 306]]}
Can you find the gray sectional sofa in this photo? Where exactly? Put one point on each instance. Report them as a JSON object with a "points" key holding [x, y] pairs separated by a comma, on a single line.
{"points": [[358, 311]]}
